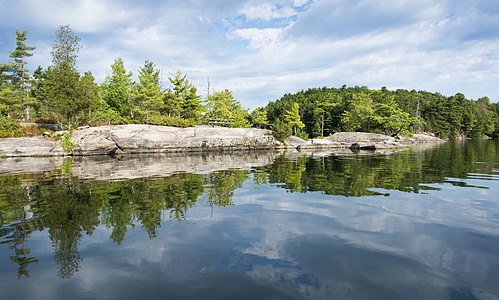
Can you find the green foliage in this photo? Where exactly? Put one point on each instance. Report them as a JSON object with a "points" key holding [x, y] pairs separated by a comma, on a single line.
{"points": [[259, 118], [117, 88], [293, 117], [401, 112], [147, 96], [20, 76], [66, 143], [281, 130], [105, 115], [182, 100], [9, 128], [223, 106], [11, 102], [63, 79]]}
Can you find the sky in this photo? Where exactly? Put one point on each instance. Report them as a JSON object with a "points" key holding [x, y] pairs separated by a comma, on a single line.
{"points": [[261, 50]]}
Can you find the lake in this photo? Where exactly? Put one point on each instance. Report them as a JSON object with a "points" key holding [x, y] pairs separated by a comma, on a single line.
{"points": [[418, 223]]}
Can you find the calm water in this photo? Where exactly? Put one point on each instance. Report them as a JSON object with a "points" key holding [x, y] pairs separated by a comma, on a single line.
{"points": [[411, 224]]}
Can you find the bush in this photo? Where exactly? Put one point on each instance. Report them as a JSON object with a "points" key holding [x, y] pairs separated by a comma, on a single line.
{"points": [[66, 143], [10, 128], [34, 130]]}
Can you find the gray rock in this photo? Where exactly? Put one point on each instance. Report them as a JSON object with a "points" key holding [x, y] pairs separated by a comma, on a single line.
{"points": [[294, 142], [354, 137], [325, 143], [10, 147], [139, 138], [363, 146], [420, 138]]}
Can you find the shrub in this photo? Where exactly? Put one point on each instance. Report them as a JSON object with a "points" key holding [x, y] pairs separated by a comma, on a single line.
{"points": [[9, 128], [66, 143]]}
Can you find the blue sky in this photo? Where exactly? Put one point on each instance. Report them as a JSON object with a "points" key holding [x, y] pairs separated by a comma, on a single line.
{"points": [[263, 49]]}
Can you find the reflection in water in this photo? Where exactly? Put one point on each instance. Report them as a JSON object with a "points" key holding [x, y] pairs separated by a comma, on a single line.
{"points": [[340, 225]]}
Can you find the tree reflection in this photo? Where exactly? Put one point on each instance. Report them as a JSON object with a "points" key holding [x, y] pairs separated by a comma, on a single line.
{"points": [[71, 208], [69, 211], [223, 185], [21, 257]]}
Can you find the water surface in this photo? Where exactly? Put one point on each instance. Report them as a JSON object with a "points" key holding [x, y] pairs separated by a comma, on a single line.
{"points": [[402, 224]]}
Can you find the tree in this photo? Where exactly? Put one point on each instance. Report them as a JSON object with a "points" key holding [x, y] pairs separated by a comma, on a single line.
{"points": [[147, 95], [63, 77], [360, 114], [293, 117], [39, 90], [117, 88], [222, 105], [182, 99], [259, 117], [89, 97], [391, 120], [281, 130], [19, 55]]}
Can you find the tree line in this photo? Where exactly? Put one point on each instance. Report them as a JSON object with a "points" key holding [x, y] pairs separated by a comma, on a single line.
{"points": [[323, 111], [61, 94]]}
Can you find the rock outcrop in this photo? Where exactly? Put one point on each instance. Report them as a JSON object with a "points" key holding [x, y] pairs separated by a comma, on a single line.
{"points": [[29, 147], [352, 140], [138, 138]]}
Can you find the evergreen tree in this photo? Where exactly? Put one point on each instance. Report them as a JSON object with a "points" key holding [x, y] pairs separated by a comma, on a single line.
{"points": [[147, 95], [182, 100], [20, 54], [89, 98], [117, 88], [63, 78], [259, 117], [39, 91]]}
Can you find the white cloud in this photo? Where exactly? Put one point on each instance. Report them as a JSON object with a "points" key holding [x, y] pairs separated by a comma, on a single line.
{"points": [[83, 16], [266, 11], [259, 38], [261, 50], [299, 3]]}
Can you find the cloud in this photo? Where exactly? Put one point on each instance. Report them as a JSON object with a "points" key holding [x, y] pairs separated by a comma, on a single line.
{"points": [[266, 11], [261, 50]]}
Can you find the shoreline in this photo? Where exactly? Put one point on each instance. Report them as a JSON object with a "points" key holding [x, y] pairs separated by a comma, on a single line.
{"points": [[139, 138]]}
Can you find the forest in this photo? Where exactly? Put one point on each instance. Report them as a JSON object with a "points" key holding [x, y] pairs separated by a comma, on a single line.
{"points": [[60, 94]]}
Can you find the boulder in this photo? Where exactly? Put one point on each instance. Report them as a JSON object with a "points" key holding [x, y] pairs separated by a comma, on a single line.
{"points": [[363, 146]]}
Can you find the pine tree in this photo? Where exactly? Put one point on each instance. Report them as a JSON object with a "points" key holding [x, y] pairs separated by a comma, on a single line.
{"points": [[117, 88], [20, 54], [147, 95], [182, 100]]}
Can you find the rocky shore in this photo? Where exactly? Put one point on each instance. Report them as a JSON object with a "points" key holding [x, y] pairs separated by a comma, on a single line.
{"points": [[137, 138]]}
